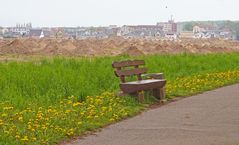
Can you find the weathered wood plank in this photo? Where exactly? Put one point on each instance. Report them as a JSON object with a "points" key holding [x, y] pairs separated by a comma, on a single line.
{"points": [[128, 63], [131, 87], [136, 71]]}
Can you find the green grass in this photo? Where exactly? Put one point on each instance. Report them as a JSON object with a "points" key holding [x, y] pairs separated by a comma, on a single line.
{"points": [[54, 79], [44, 83]]}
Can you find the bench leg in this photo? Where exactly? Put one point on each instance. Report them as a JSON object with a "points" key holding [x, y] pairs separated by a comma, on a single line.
{"points": [[162, 94], [138, 95], [141, 96], [156, 93], [159, 93]]}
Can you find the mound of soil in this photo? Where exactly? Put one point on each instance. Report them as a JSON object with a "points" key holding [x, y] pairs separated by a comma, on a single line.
{"points": [[58, 48], [3, 42], [67, 45], [32, 44], [50, 48], [114, 46], [132, 51], [15, 47]]}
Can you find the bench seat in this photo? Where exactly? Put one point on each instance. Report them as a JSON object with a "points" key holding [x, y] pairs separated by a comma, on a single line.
{"points": [[131, 87], [153, 82]]}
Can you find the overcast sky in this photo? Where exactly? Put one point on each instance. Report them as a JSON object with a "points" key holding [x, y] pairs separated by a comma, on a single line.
{"points": [[113, 12]]}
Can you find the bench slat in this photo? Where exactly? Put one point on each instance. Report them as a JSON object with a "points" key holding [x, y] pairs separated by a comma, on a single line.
{"points": [[142, 85], [136, 71], [128, 63]]}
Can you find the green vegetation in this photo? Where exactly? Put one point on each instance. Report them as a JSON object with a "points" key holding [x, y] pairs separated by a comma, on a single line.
{"points": [[49, 100], [188, 26], [65, 119]]}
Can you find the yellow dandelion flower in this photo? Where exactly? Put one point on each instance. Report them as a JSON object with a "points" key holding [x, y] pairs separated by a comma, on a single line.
{"points": [[4, 115], [69, 102], [8, 108], [20, 118], [25, 138], [1, 122], [112, 119], [71, 97], [79, 123], [70, 132], [76, 104]]}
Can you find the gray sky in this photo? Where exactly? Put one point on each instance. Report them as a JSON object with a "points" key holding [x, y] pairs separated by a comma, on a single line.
{"points": [[109, 12]]}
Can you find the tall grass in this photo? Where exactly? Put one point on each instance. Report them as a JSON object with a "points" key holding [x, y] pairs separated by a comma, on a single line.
{"points": [[40, 98], [48, 80]]}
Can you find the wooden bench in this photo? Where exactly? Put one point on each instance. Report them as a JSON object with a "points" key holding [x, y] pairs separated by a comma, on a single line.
{"points": [[152, 82]]}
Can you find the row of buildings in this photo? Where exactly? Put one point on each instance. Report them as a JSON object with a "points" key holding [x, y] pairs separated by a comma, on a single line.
{"points": [[167, 30], [201, 31], [127, 31]]}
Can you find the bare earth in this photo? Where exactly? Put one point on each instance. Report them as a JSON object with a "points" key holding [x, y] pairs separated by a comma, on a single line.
{"points": [[211, 118], [114, 46]]}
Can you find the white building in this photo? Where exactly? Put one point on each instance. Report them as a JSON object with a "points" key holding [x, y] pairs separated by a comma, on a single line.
{"points": [[22, 29], [129, 31], [169, 26], [4, 30], [171, 36]]}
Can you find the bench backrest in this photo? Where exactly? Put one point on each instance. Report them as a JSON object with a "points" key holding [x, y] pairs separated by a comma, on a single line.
{"points": [[129, 68]]}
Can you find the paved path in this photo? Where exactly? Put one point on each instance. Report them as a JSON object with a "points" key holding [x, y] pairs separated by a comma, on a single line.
{"points": [[211, 118]]}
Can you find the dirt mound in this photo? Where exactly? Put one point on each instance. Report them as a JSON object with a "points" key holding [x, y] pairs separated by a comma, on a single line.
{"points": [[132, 51], [115, 46], [84, 48], [15, 43], [3, 42], [111, 43], [58, 48], [32, 44], [67, 45], [15, 47], [50, 48]]}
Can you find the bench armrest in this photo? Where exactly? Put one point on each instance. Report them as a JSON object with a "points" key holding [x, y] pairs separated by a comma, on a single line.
{"points": [[153, 76]]}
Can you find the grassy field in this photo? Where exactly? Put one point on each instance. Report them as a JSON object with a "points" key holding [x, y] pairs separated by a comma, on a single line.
{"points": [[49, 100]]}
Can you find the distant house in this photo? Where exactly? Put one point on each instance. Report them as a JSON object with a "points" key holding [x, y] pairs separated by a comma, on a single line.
{"points": [[90, 32], [171, 36], [58, 32], [36, 33], [210, 31], [20, 29], [227, 33], [199, 35], [205, 31], [9, 34], [145, 31], [1, 31], [47, 32], [97, 32], [198, 29], [70, 32], [186, 34], [203, 28], [5, 30]]}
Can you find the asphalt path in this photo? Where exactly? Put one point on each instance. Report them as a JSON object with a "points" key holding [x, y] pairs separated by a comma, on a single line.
{"points": [[211, 118]]}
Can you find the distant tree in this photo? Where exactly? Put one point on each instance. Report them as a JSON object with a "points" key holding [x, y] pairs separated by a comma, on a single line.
{"points": [[237, 33], [188, 26], [234, 25]]}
